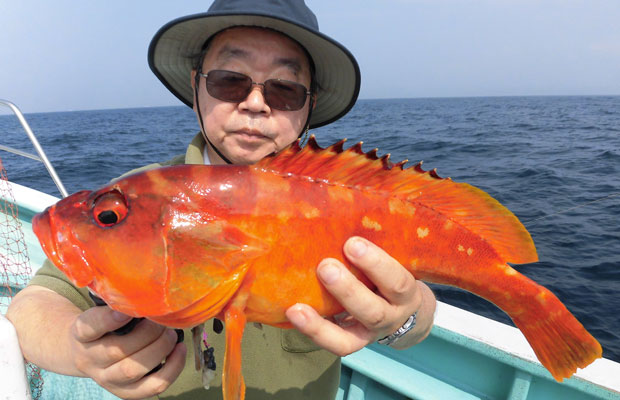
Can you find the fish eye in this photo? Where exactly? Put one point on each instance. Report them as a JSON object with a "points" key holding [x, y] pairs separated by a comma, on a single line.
{"points": [[109, 209]]}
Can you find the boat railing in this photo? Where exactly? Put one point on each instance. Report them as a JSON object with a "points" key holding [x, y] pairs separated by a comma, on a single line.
{"points": [[41, 154]]}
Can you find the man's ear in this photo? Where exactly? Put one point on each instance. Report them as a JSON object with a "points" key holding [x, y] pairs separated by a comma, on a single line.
{"points": [[193, 79], [313, 100], [193, 83]]}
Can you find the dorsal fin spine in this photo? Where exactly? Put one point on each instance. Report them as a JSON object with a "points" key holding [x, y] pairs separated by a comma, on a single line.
{"points": [[460, 202]]}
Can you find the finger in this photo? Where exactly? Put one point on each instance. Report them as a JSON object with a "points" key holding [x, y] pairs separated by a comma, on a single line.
{"points": [[137, 365], [95, 322], [326, 334], [113, 348], [393, 281], [361, 302], [156, 383]]}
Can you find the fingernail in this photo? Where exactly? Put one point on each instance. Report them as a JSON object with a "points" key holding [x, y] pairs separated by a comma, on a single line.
{"points": [[298, 317], [357, 248], [120, 317], [329, 273]]}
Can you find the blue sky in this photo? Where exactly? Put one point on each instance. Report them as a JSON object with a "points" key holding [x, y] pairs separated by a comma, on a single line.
{"points": [[72, 55]]}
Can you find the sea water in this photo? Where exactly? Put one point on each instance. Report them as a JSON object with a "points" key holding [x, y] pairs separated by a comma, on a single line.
{"points": [[553, 161]]}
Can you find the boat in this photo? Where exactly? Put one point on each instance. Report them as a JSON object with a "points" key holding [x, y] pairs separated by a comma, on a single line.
{"points": [[466, 356]]}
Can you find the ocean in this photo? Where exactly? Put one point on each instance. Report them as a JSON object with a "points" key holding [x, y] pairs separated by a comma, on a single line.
{"points": [[553, 161]]}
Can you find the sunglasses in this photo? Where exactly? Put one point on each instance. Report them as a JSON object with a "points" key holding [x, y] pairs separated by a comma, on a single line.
{"points": [[234, 87]]}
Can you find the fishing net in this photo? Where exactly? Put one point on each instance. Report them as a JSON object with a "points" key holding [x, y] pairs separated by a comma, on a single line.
{"points": [[15, 270]]}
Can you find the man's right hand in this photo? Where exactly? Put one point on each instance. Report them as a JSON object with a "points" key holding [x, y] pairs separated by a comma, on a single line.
{"points": [[54, 334], [120, 364]]}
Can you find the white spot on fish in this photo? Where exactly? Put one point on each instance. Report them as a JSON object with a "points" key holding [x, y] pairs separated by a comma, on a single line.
{"points": [[470, 251], [284, 216], [308, 210], [399, 206], [508, 270], [370, 224], [340, 193], [423, 232], [461, 248]]}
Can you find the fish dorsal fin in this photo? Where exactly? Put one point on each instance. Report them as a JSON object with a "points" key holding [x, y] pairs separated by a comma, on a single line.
{"points": [[460, 202]]}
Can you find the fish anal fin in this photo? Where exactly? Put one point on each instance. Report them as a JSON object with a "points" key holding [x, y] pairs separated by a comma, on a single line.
{"points": [[458, 202]]}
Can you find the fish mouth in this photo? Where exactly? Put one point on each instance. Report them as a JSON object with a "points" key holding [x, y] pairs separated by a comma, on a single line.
{"points": [[58, 240], [41, 225]]}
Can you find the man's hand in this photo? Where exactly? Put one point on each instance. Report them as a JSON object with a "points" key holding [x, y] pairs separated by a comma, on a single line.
{"points": [[58, 336], [370, 316], [120, 363]]}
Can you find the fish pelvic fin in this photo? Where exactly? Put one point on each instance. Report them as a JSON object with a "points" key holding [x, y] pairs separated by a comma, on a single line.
{"points": [[558, 339], [459, 202], [233, 385]]}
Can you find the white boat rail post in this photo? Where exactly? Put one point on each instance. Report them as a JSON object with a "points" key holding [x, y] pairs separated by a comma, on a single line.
{"points": [[13, 378], [42, 157]]}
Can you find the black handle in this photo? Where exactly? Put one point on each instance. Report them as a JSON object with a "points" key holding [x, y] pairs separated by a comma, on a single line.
{"points": [[123, 330]]}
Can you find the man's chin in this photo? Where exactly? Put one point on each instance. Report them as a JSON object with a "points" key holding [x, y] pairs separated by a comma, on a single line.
{"points": [[251, 153]]}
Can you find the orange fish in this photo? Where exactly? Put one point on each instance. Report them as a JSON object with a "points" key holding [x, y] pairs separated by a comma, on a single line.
{"points": [[182, 244]]}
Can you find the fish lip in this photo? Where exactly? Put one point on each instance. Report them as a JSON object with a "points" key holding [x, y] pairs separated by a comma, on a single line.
{"points": [[43, 229]]}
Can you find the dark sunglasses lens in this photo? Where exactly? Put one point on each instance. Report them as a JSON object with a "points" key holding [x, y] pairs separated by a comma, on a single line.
{"points": [[228, 86], [284, 95]]}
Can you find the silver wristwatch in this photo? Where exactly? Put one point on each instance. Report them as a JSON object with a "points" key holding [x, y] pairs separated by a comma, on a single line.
{"points": [[407, 326]]}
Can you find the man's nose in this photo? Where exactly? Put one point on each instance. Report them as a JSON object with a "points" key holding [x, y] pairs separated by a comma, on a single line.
{"points": [[255, 100]]}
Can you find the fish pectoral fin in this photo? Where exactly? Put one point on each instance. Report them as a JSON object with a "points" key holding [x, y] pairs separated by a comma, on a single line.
{"points": [[233, 385], [216, 243], [210, 301]]}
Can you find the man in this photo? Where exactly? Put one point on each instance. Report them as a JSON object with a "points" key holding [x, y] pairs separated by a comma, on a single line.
{"points": [[262, 74]]}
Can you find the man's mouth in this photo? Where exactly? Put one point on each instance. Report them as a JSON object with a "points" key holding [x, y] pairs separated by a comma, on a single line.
{"points": [[251, 134]]}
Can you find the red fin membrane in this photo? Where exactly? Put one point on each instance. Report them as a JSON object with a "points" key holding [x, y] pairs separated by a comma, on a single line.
{"points": [[560, 342], [460, 202]]}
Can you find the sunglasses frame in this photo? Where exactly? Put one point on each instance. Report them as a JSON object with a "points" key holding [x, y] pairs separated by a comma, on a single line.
{"points": [[252, 83]]}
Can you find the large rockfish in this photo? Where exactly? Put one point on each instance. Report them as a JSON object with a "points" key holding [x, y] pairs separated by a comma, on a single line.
{"points": [[182, 244]]}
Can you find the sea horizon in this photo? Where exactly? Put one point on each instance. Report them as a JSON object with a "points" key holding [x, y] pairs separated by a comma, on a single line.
{"points": [[6, 111]]}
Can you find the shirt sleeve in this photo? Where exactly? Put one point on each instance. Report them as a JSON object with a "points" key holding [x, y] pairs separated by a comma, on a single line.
{"points": [[54, 279]]}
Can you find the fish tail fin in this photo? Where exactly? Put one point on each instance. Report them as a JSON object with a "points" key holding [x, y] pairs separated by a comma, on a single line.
{"points": [[560, 342], [233, 386]]}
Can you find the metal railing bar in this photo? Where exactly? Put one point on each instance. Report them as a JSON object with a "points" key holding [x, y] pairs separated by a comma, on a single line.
{"points": [[37, 146], [20, 153]]}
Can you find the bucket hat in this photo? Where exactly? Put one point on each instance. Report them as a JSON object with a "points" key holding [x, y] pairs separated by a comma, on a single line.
{"points": [[336, 71]]}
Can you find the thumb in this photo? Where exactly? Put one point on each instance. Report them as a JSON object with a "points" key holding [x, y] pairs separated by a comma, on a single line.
{"points": [[95, 322]]}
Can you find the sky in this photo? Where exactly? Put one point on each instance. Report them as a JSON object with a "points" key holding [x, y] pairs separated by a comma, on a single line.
{"points": [[78, 55]]}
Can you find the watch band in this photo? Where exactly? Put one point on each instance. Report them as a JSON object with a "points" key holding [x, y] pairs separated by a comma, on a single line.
{"points": [[407, 326]]}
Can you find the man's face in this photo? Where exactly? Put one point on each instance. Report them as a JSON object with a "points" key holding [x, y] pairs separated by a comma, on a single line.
{"points": [[247, 131]]}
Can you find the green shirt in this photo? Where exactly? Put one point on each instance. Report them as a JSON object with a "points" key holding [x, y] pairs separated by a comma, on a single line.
{"points": [[277, 363]]}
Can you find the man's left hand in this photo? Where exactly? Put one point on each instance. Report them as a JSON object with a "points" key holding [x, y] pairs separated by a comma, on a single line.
{"points": [[369, 315]]}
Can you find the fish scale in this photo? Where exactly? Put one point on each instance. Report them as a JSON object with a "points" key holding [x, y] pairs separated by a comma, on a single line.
{"points": [[242, 243]]}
